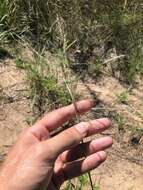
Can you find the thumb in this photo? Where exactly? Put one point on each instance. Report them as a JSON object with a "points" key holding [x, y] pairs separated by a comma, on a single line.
{"points": [[65, 140]]}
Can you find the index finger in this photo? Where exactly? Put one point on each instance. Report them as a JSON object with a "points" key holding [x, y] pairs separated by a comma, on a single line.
{"points": [[58, 117]]}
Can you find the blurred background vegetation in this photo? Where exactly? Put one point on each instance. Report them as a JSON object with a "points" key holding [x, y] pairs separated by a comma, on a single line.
{"points": [[89, 38], [81, 25]]}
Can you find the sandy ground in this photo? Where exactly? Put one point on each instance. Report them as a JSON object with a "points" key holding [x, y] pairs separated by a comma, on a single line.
{"points": [[14, 106], [124, 168]]}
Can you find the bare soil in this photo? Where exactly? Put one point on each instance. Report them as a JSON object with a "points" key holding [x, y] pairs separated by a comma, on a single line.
{"points": [[14, 105], [124, 168]]}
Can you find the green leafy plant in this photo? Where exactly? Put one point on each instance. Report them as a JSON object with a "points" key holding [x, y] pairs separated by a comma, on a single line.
{"points": [[81, 183]]}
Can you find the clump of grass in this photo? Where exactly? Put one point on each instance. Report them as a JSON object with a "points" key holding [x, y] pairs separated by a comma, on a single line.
{"points": [[88, 23], [120, 120], [46, 89], [81, 183], [46, 92], [123, 97], [95, 68]]}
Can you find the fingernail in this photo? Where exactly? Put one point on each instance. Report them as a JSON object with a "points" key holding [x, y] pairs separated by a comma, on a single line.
{"points": [[82, 128]]}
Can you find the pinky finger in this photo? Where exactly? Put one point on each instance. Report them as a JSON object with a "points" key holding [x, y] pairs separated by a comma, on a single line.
{"points": [[80, 167]]}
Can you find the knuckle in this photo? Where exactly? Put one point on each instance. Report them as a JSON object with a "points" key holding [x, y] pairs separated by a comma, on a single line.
{"points": [[100, 157], [83, 129], [87, 166], [92, 148]]}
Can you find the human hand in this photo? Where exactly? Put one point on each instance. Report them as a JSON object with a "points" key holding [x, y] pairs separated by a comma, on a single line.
{"points": [[38, 161]]}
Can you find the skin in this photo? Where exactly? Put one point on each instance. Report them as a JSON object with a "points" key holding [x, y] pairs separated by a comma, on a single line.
{"points": [[40, 162]]}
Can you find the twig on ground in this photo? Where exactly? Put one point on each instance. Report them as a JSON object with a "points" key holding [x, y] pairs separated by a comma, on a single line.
{"points": [[114, 59]]}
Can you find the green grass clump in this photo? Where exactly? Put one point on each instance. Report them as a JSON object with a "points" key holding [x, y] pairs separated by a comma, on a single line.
{"points": [[123, 97], [81, 183], [46, 92], [89, 24], [120, 120], [53, 23]]}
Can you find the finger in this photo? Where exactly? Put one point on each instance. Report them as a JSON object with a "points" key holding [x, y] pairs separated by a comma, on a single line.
{"points": [[86, 149], [72, 137], [80, 167], [58, 117], [64, 141], [96, 126]]}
